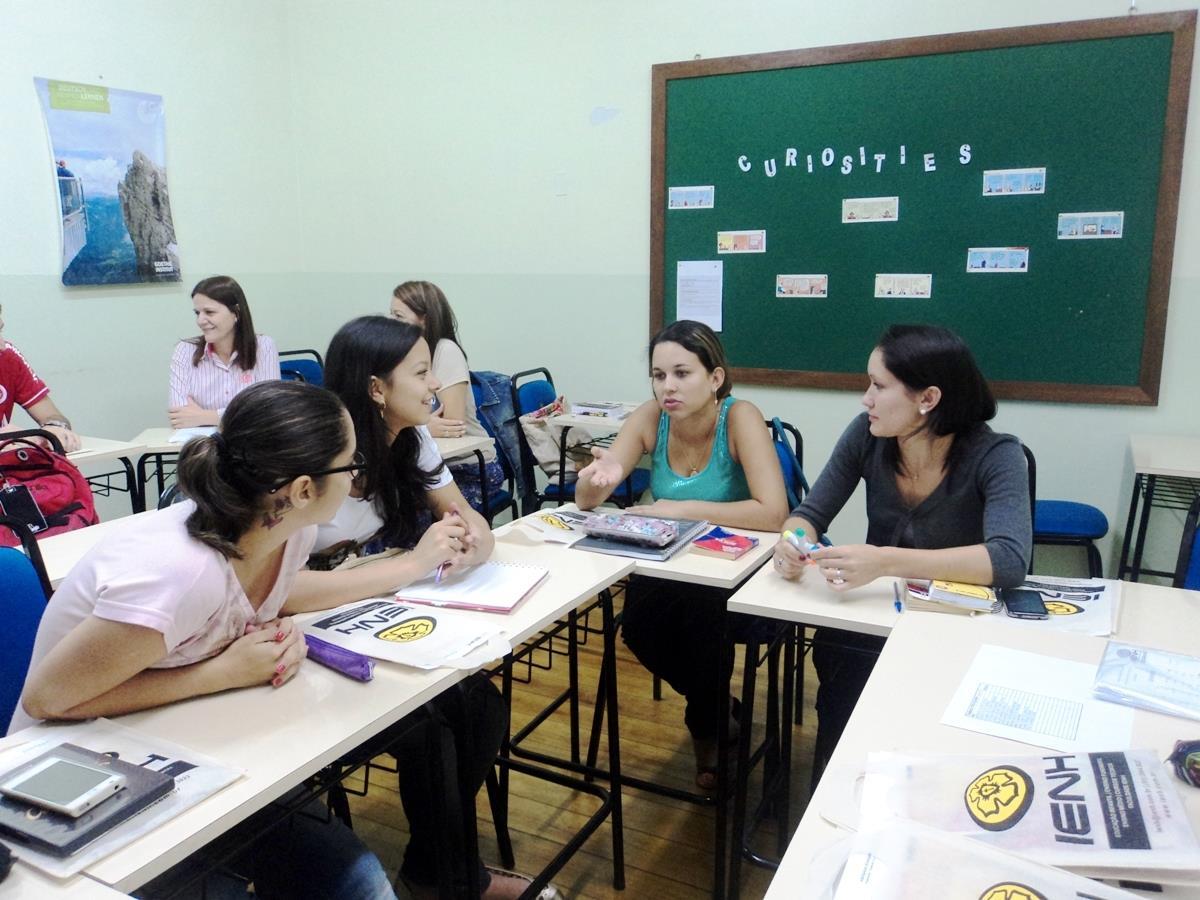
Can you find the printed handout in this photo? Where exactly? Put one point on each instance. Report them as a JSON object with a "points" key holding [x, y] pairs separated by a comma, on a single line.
{"points": [[700, 197], [901, 285], [997, 259], [801, 285], [698, 291], [741, 242], [1087, 226], [1012, 182], [870, 209]]}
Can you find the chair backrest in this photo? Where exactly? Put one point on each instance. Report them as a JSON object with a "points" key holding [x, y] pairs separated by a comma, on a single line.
{"points": [[26, 590], [789, 447], [1031, 463], [1187, 570], [534, 393], [171, 496], [302, 365], [526, 397]]}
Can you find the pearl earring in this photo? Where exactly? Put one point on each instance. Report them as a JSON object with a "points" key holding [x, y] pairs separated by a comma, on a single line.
{"points": [[924, 410]]}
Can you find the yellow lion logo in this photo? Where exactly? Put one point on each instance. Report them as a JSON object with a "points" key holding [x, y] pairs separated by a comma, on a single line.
{"points": [[408, 630], [1062, 608], [1010, 890], [998, 798]]}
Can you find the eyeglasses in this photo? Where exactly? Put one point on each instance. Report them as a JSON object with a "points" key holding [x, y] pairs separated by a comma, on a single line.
{"points": [[355, 468], [1186, 760]]}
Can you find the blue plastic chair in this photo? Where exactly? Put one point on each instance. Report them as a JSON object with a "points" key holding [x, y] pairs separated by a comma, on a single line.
{"points": [[302, 365], [1187, 570], [26, 590], [1066, 523], [505, 497], [531, 395]]}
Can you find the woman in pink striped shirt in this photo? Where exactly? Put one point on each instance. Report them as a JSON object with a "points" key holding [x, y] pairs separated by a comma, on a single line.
{"points": [[208, 371]]}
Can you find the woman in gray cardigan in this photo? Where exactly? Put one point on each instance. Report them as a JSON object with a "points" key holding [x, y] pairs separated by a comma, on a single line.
{"points": [[947, 498]]}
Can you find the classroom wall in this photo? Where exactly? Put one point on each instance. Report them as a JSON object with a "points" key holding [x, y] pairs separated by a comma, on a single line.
{"points": [[323, 152]]}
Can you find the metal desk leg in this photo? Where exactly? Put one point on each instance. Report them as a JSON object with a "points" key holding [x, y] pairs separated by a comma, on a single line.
{"points": [[483, 497], [741, 774], [562, 464], [1140, 546], [1129, 523]]}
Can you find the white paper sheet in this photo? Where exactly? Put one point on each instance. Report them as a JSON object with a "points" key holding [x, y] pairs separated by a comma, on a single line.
{"points": [[1038, 700], [698, 288]]}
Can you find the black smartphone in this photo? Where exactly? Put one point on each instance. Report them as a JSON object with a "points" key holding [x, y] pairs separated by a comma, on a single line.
{"points": [[17, 502], [1022, 603]]}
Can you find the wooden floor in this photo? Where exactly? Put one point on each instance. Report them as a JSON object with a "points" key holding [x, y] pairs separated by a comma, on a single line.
{"points": [[668, 843]]}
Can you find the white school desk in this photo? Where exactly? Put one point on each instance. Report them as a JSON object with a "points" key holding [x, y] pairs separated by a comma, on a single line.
{"points": [[281, 736], [24, 883], [869, 609], [923, 662], [102, 450], [1166, 471]]}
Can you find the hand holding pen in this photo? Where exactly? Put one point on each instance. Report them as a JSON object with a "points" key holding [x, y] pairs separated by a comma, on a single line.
{"points": [[445, 543], [791, 553]]}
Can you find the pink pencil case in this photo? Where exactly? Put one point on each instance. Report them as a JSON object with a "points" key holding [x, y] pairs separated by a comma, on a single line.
{"points": [[641, 530], [351, 664]]}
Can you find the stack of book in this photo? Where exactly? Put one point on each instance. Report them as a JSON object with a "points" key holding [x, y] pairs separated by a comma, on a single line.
{"points": [[951, 596], [601, 408]]}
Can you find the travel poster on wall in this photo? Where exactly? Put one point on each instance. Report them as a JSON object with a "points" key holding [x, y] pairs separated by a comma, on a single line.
{"points": [[108, 155]]}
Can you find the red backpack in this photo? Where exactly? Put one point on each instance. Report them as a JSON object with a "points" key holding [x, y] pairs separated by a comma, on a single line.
{"points": [[36, 480]]}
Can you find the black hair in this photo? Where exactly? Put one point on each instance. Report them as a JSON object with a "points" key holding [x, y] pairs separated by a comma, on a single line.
{"points": [[392, 479], [922, 356], [271, 432], [698, 338], [229, 294]]}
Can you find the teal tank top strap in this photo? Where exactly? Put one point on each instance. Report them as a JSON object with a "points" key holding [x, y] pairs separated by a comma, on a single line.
{"points": [[721, 481]]}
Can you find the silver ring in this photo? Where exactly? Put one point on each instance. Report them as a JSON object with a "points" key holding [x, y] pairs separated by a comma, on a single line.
{"points": [[837, 573]]}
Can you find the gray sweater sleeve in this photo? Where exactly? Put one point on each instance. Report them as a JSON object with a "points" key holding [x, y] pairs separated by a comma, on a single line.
{"points": [[838, 479], [1003, 479]]}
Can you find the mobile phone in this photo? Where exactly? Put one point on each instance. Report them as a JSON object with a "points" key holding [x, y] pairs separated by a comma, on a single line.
{"points": [[1022, 603], [17, 502], [64, 786]]}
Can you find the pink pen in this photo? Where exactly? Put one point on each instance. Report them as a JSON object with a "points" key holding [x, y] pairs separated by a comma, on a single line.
{"points": [[441, 570]]}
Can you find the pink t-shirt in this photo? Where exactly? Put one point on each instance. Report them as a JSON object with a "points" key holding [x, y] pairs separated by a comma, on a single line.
{"points": [[151, 572]]}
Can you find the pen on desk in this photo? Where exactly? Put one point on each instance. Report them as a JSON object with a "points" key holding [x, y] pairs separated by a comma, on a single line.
{"points": [[896, 593]]}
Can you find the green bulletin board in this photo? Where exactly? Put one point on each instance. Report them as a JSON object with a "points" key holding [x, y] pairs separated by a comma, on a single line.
{"points": [[1074, 119]]}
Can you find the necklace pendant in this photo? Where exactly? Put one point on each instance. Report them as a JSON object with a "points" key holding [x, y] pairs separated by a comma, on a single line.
{"points": [[694, 472]]}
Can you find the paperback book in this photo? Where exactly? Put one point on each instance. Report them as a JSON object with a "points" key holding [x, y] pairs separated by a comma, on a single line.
{"points": [[724, 544]]}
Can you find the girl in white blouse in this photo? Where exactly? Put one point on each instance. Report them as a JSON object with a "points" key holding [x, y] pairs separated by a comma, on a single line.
{"points": [[208, 371]]}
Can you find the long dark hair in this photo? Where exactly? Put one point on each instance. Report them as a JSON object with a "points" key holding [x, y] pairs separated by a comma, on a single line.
{"points": [[698, 338], [271, 432], [229, 294], [427, 300], [922, 356], [392, 480]]}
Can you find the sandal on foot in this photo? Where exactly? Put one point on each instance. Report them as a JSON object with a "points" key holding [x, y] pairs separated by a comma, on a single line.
{"points": [[549, 892]]}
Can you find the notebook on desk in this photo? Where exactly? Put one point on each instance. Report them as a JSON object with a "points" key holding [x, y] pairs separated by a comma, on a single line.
{"points": [[491, 586], [688, 529]]}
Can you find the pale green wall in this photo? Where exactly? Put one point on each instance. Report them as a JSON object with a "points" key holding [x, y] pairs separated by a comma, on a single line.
{"points": [[321, 152]]}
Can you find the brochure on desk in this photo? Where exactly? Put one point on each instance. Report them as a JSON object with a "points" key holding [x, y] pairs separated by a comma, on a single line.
{"points": [[1103, 814], [422, 637], [907, 861], [1150, 678], [196, 777], [1078, 605]]}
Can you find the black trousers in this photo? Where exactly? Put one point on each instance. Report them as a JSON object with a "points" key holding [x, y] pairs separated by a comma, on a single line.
{"points": [[843, 661], [674, 630], [476, 705]]}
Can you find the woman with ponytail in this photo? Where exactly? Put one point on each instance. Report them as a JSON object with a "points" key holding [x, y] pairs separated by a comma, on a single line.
{"points": [[196, 599]]}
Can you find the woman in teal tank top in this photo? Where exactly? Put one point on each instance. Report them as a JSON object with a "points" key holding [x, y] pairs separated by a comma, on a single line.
{"points": [[712, 459]]}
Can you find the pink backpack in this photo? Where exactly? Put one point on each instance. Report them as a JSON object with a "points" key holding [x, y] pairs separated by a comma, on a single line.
{"points": [[36, 480]]}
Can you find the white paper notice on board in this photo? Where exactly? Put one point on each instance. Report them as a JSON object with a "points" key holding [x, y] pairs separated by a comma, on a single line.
{"points": [[698, 291]]}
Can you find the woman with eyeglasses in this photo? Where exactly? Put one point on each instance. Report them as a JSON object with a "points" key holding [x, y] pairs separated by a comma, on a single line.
{"points": [[196, 599], [405, 498], [423, 304]]}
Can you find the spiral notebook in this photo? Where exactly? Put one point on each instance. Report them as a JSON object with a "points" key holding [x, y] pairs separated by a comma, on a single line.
{"points": [[490, 587]]}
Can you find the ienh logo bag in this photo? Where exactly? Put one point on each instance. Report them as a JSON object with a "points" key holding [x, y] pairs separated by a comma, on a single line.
{"points": [[42, 489]]}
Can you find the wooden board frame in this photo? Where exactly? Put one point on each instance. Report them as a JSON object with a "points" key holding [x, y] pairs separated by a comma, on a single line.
{"points": [[1182, 26]]}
